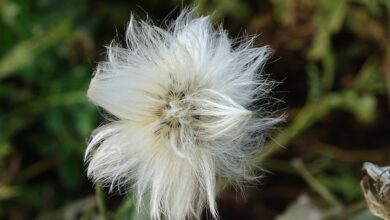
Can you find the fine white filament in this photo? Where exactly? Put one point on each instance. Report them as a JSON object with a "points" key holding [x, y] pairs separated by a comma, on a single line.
{"points": [[188, 106]]}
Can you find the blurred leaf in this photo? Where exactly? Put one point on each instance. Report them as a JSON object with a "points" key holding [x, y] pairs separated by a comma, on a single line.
{"points": [[320, 83], [8, 11], [370, 79], [71, 166], [88, 214], [21, 116], [374, 7], [5, 149], [329, 21], [314, 83], [284, 10], [365, 26], [238, 9], [320, 46], [343, 184], [24, 52], [85, 120], [7, 192], [328, 72], [362, 106]]}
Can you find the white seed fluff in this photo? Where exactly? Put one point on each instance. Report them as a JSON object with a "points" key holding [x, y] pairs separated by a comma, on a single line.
{"points": [[190, 107]]}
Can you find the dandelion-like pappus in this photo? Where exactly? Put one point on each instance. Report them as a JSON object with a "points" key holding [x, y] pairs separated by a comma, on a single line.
{"points": [[186, 110]]}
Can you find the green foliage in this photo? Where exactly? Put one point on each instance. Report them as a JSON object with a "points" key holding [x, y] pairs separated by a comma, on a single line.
{"points": [[335, 58]]}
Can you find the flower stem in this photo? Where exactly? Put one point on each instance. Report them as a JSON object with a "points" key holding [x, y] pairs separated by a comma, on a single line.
{"points": [[101, 201]]}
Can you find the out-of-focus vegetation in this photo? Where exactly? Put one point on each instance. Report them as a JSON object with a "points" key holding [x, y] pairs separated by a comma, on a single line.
{"points": [[332, 55]]}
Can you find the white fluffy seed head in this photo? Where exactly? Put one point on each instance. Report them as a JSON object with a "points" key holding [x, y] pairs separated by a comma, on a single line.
{"points": [[190, 106]]}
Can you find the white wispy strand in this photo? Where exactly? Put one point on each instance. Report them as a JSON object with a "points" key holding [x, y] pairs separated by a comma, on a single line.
{"points": [[190, 106]]}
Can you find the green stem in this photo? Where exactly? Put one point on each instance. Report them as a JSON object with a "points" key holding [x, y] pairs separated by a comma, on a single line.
{"points": [[310, 114], [101, 201], [315, 184], [125, 210], [306, 117]]}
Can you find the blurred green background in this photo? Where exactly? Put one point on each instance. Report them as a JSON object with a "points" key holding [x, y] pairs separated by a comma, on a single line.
{"points": [[332, 56]]}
